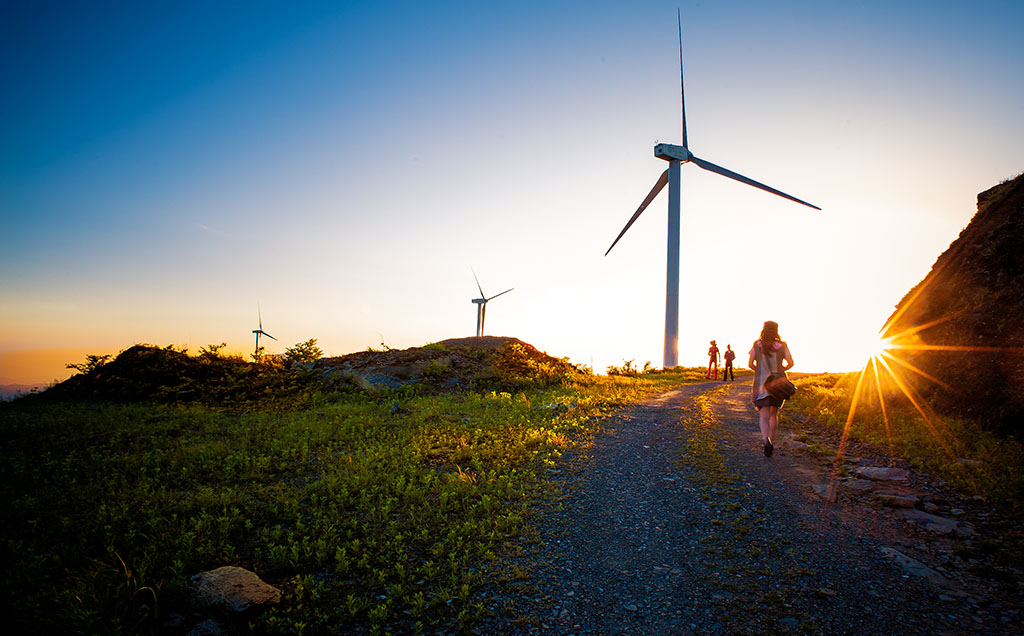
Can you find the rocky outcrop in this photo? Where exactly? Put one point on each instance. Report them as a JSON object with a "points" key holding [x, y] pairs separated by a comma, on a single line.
{"points": [[971, 308]]}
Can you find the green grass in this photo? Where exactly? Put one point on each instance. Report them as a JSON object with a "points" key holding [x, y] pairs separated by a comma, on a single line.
{"points": [[960, 451], [382, 513]]}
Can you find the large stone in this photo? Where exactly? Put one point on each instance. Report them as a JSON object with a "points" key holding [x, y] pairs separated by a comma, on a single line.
{"points": [[233, 589], [932, 523], [828, 492], [964, 530], [881, 473], [357, 380], [859, 484], [915, 568], [897, 500]]}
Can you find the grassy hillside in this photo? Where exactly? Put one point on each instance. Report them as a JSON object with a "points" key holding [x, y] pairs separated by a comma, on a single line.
{"points": [[374, 510]]}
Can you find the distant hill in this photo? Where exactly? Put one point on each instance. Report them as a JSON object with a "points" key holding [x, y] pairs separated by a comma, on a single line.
{"points": [[974, 294], [147, 373], [9, 390]]}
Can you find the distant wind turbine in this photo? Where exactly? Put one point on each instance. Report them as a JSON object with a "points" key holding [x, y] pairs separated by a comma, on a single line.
{"points": [[481, 305], [676, 156], [259, 332]]}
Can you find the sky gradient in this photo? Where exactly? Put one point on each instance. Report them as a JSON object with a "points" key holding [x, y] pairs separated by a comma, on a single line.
{"points": [[165, 167]]}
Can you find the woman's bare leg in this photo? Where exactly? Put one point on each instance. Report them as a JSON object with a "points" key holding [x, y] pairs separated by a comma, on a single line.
{"points": [[768, 418], [773, 421], [764, 419]]}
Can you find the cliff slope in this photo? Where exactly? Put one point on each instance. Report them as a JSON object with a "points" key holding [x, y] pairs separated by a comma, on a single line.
{"points": [[972, 301]]}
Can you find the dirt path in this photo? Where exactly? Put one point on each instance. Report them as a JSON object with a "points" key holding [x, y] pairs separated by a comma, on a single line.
{"points": [[674, 522]]}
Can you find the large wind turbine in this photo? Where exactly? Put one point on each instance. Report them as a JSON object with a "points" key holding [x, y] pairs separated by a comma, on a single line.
{"points": [[676, 156], [481, 305], [259, 332]]}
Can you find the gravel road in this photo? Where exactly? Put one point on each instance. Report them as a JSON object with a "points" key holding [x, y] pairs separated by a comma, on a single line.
{"points": [[673, 522]]}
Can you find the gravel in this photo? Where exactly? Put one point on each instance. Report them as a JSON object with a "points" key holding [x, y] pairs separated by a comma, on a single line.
{"points": [[673, 522]]}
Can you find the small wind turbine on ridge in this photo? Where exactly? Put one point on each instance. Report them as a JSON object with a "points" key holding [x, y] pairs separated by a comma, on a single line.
{"points": [[259, 332], [676, 156], [481, 305]]}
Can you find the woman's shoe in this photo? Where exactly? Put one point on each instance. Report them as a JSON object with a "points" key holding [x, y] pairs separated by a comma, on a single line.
{"points": [[768, 448]]}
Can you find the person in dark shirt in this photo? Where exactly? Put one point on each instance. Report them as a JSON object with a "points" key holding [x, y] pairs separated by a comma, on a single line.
{"points": [[728, 356]]}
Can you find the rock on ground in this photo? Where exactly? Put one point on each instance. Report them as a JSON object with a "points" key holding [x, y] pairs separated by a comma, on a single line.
{"points": [[233, 589]]}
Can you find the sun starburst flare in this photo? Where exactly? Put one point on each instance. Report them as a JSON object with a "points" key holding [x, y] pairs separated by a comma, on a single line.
{"points": [[888, 369]]}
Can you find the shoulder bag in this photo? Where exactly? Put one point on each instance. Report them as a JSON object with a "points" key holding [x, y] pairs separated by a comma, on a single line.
{"points": [[779, 386]]}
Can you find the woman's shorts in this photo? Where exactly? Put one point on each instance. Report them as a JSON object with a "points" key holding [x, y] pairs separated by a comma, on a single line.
{"points": [[768, 400]]}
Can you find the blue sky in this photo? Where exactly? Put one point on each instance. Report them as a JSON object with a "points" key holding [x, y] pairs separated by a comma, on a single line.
{"points": [[167, 166]]}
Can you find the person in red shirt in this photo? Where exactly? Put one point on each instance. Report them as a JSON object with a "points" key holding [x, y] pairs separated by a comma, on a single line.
{"points": [[713, 362]]}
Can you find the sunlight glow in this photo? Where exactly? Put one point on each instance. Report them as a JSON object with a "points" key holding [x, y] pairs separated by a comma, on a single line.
{"points": [[876, 346], [889, 369], [881, 405]]}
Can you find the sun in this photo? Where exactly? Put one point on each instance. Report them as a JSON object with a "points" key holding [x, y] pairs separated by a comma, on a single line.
{"points": [[873, 346]]}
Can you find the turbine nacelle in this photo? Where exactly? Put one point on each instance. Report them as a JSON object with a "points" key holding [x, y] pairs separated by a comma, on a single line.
{"points": [[671, 152]]}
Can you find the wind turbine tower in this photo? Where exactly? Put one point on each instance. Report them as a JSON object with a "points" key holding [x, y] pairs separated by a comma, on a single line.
{"points": [[676, 156], [259, 332], [481, 305]]}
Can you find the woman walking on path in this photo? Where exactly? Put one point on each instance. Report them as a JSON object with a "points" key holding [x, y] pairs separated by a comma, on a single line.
{"points": [[769, 355]]}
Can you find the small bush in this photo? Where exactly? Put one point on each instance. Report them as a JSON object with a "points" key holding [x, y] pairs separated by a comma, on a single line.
{"points": [[302, 352], [627, 369]]}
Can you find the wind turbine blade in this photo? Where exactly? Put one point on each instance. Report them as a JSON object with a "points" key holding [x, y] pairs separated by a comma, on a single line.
{"points": [[260, 314], [658, 186], [682, 93], [269, 336], [707, 165], [502, 293], [478, 283]]}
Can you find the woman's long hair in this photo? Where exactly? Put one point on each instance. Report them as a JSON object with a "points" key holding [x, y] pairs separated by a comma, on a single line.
{"points": [[769, 336]]}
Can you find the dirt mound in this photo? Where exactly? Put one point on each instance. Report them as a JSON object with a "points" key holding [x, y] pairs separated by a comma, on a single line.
{"points": [[146, 373], [457, 363], [971, 306], [138, 374]]}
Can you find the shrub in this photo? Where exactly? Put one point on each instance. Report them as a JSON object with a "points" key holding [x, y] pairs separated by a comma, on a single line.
{"points": [[92, 362], [302, 352]]}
